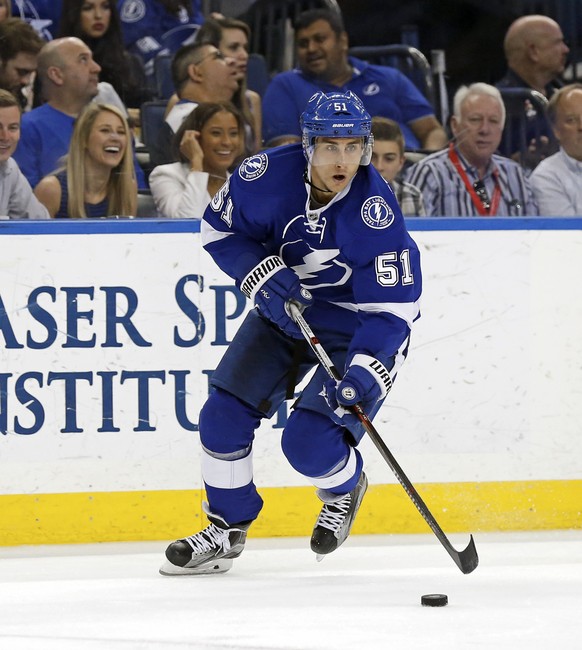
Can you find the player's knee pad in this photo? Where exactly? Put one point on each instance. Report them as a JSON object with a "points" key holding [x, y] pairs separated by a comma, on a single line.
{"points": [[313, 444], [226, 424]]}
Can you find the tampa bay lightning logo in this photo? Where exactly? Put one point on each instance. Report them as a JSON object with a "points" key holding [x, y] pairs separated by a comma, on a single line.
{"points": [[253, 167], [371, 89], [376, 213], [132, 11]]}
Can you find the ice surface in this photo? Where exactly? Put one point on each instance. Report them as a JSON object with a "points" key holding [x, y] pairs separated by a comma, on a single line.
{"points": [[526, 593]]}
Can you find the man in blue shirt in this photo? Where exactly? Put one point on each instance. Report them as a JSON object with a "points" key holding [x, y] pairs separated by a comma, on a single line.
{"points": [[69, 79], [324, 65]]}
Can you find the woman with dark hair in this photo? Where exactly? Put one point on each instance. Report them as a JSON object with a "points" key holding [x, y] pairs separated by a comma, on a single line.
{"points": [[96, 22], [206, 145]]}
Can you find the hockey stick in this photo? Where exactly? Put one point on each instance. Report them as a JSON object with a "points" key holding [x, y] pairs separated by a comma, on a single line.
{"points": [[467, 560]]}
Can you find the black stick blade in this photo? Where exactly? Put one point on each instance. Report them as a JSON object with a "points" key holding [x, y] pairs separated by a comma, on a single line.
{"points": [[467, 560]]}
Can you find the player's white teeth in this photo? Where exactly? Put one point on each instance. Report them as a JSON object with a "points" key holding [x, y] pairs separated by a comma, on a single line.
{"points": [[112, 149]]}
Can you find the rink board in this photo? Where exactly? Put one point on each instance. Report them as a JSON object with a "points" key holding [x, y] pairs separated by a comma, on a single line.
{"points": [[109, 331]]}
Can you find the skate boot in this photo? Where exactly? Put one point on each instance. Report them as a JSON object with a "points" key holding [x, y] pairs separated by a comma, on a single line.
{"points": [[336, 518], [209, 551]]}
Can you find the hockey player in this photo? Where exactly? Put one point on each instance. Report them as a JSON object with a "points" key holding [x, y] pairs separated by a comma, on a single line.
{"points": [[315, 224]]}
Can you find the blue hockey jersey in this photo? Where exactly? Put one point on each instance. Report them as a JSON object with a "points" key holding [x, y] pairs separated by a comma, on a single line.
{"points": [[354, 254]]}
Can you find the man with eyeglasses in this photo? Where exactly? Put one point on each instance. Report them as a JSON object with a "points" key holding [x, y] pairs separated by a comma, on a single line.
{"points": [[200, 73], [468, 179]]}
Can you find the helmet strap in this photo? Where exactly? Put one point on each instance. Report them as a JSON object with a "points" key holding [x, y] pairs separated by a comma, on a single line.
{"points": [[308, 181]]}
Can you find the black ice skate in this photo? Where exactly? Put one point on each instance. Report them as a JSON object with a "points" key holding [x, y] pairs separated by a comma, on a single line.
{"points": [[336, 518], [209, 551]]}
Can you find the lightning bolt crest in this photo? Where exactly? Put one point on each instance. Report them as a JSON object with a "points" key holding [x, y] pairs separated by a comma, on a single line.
{"points": [[314, 262]]}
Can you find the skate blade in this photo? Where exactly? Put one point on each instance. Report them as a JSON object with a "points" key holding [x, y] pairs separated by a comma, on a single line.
{"points": [[319, 557], [217, 566]]}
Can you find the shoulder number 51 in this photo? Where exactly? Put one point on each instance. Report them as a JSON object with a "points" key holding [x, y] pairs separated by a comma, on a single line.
{"points": [[388, 272]]}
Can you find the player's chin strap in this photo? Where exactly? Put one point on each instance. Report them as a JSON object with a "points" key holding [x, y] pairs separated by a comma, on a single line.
{"points": [[467, 560], [306, 179]]}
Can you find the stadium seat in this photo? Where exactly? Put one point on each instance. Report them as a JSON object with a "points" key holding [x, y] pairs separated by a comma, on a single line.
{"points": [[146, 206], [257, 74], [524, 107], [405, 58], [163, 75], [152, 118]]}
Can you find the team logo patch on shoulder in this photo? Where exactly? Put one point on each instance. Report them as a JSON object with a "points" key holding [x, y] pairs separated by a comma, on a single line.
{"points": [[253, 167], [376, 213]]}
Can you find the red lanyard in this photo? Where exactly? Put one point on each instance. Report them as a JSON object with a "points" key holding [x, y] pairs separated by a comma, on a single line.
{"points": [[454, 158]]}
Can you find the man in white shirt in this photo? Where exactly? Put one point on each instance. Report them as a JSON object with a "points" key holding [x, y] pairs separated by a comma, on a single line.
{"points": [[557, 180], [16, 198]]}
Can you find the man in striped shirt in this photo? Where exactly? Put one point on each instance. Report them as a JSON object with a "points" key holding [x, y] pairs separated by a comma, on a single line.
{"points": [[467, 179]]}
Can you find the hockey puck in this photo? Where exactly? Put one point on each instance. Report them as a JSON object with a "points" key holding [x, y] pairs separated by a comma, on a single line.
{"points": [[434, 600]]}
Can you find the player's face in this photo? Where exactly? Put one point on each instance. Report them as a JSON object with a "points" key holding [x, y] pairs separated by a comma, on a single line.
{"points": [[334, 163], [387, 159], [107, 140], [95, 17], [9, 131], [320, 51], [235, 44], [220, 140], [568, 126], [16, 73], [479, 128]]}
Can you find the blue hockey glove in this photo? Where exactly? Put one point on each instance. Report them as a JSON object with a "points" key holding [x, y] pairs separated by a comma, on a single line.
{"points": [[272, 285], [365, 382]]}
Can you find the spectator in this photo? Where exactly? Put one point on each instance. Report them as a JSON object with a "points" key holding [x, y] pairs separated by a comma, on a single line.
{"points": [[201, 73], [19, 48], [42, 15], [536, 56], [231, 37], [96, 22], [388, 158], [557, 180], [16, 198], [324, 65], [5, 10], [468, 178], [69, 79], [152, 27], [98, 178], [208, 143]]}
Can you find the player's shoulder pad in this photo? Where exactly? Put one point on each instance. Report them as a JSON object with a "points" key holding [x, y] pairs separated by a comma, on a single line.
{"points": [[262, 168], [375, 222], [375, 200]]}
